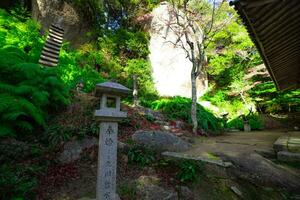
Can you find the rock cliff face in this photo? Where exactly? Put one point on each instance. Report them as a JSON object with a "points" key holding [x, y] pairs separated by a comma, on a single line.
{"points": [[171, 68], [46, 12]]}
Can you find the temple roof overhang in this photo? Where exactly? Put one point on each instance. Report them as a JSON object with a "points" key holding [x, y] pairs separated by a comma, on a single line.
{"points": [[274, 27]]}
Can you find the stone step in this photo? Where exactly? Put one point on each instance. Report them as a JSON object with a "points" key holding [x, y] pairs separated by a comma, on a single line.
{"points": [[51, 50], [57, 29], [45, 63], [177, 155], [48, 54], [49, 38], [286, 156], [53, 47], [289, 143], [53, 43], [56, 33], [46, 58], [51, 35], [281, 143]]}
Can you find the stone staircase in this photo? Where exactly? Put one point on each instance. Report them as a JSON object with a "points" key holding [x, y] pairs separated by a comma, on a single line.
{"points": [[287, 147], [50, 53]]}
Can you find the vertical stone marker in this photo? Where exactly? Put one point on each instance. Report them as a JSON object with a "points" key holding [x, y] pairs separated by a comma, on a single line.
{"points": [[109, 115]]}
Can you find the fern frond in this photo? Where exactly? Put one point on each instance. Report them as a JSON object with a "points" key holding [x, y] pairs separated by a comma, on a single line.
{"points": [[12, 116], [6, 102], [32, 111], [25, 126], [6, 131], [7, 88], [25, 89], [40, 98]]}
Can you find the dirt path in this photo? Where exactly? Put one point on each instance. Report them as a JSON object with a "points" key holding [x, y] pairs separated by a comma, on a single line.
{"points": [[240, 148], [236, 143]]}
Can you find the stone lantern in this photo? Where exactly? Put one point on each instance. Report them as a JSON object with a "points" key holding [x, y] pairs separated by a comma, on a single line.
{"points": [[108, 115]]}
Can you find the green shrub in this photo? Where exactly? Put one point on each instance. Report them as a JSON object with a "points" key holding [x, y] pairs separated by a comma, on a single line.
{"points": [[128, 191], [18, 181], [179, 108], [188, 171], [255, 123], [236, 123], [140, 156], [22, 34], [72, 71], [27, 92]]}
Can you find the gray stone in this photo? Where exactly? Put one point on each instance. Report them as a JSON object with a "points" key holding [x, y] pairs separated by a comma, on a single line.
{"points": [[166, 127], [179, 124], [155, 192], [74, 22], [184, 156], [236, 191], [288, 156], [168, 59], [109, 115], [157, 115], [247, 127], [281, 143], [160, 141], [147, 180], [185, 193], [111, 88], [107, 161], [123, 147], [74, 148]]}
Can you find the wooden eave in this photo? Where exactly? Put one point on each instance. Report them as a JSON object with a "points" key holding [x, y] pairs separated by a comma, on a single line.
{"points": [[274, 27]]}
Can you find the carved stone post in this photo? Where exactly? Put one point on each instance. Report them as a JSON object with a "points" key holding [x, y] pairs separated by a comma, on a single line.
{"points": [[109, 115]]}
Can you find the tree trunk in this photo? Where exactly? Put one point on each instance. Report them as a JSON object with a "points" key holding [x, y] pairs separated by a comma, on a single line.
{"points": [[194, 103], [135, 91]]}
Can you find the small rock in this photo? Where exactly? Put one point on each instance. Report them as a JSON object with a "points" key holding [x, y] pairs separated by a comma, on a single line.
{"points": [[179, 124], [159, 122], [236, 191], [123, 147], [147, 180], [185, 193], [155, 192], [179, 134], [124, 158], [166, 127], [160, 141]]}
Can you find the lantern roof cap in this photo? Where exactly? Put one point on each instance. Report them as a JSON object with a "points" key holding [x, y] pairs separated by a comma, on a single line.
{"points": [[111, 88]]}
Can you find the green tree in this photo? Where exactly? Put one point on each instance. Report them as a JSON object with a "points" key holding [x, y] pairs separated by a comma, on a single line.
{"points": [[195, 22]]}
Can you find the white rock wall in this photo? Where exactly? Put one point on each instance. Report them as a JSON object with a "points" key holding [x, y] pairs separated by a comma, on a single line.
{"points": [[171, 68]]}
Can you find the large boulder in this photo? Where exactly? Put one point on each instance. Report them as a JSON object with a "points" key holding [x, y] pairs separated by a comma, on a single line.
{"points": [[160, 141], [74, 148], [170, 65], [75, 24]]}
